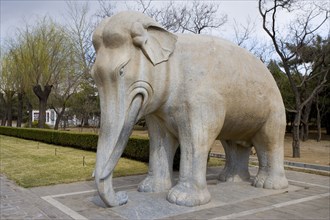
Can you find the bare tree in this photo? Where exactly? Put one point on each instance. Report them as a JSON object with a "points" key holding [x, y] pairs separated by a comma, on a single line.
{"points": [[106, 9], [202, 16], [244, 33], [322, 110], [245, 36], [60, 98], [80, 29], [79, 59], [194, 17], [301, 32], [65, 88]]}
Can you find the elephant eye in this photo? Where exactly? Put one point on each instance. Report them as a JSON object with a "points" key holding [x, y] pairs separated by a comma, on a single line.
{"points": [[121, 71]]}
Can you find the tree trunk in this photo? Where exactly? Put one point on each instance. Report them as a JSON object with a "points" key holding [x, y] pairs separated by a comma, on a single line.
{"points": [[318, 120], [9, 108], [327, 123], [81, 124], [29, 108], [85, 121], [65, 122], [297, 115], [4, 119], [59, 117], [305, 119], [296, 139], [3, 104], [9, 114], [43, 97], [19, 109], [42, 113]]}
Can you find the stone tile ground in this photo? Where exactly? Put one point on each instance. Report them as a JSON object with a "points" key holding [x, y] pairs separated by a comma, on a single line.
{"points": [[19, 203], [307, 198]]}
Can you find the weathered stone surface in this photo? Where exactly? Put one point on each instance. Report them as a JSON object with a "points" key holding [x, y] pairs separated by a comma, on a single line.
{"points": [[192, 90], [155, 206]]}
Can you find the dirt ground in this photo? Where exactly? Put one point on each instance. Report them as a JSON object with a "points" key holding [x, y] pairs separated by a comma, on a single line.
{"points": [[311, 151]]}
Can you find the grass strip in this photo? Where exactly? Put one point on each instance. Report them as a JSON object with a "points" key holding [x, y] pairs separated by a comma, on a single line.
{"points": [[31, 163]]}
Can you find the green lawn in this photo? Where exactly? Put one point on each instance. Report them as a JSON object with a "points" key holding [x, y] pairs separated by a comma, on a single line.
{"points": [[215, 162], [30, 163]]}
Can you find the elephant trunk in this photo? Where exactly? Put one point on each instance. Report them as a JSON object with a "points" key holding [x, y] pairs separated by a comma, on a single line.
{"points": [[112, 142]]}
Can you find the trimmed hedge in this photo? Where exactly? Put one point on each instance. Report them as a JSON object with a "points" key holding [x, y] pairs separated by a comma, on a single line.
{"points": [[137, 147], [82, 141]]}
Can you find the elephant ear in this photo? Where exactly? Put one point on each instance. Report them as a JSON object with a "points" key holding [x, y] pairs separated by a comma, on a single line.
{"points": [[156, 43]]}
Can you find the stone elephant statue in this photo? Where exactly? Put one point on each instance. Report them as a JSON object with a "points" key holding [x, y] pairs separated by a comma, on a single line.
{"points": [[192, 90]]}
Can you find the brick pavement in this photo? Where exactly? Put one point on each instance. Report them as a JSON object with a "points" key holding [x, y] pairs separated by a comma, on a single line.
{"points": [[308, 200], [19, 203]]}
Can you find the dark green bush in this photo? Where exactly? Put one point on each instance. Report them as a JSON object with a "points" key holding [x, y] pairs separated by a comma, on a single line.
{"points": [[35, 124], [137, 147], [76, 140]]}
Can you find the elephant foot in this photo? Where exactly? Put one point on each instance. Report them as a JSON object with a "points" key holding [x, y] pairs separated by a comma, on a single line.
{"points": [[232, 176], [188, 194], [152, 184], [270, 180]]}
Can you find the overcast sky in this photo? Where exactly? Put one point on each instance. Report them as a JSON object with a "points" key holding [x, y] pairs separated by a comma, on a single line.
{"points": [[15, 14]]}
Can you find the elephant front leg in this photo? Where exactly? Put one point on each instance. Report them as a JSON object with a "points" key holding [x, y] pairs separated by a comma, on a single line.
{"points": [[162, 149], [196, 139], [191, 189], [237, 162]]}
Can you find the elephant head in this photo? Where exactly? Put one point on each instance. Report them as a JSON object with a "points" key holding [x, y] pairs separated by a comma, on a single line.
{"points": [[128, 46]]}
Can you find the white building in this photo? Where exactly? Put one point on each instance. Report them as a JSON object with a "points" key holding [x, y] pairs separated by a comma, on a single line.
{"points": [[50, 116]]}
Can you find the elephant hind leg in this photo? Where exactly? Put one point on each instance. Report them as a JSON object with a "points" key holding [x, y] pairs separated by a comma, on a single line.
{"points": [[269, 145], [237, 162]]}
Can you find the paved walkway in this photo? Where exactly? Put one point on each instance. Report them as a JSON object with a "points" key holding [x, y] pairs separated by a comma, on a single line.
{"points": [[19, 203], [307, 198]]}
